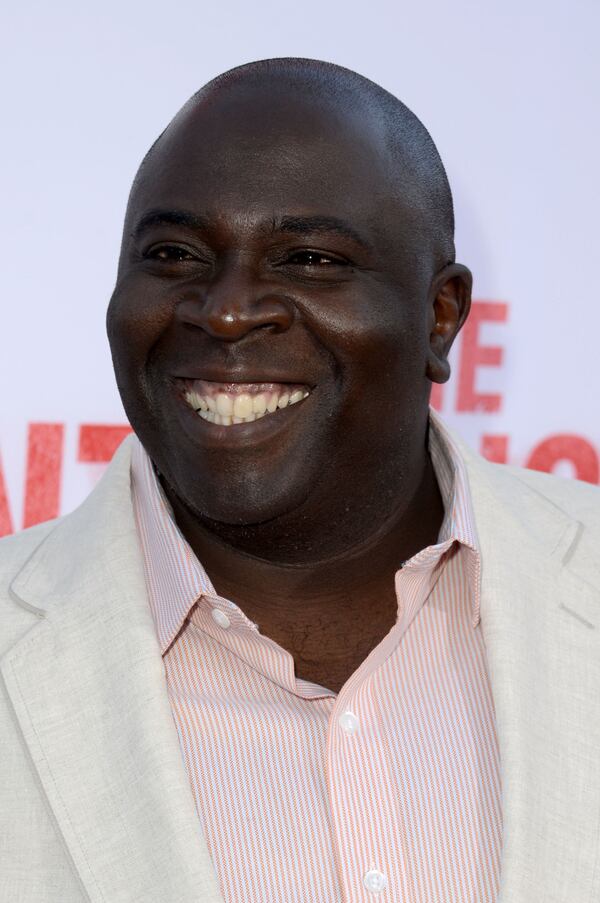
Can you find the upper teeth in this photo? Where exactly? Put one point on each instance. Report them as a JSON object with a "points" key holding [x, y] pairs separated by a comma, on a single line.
{"points": [[227, 405]]}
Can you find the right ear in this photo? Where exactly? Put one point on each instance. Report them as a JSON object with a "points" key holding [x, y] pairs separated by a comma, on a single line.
{"points": [[450, 305]]}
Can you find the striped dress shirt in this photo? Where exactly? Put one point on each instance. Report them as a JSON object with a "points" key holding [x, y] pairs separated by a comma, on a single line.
{"points": [[386, 791]]}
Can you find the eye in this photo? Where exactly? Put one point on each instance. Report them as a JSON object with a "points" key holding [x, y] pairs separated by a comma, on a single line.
{"points": [[169, 253], [315, 259]]}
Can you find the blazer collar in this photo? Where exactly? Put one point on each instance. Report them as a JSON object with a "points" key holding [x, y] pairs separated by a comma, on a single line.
{"points": [[88, 689]]}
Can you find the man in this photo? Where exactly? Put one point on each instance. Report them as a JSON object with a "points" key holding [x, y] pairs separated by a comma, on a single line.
{"points": [[300, 644]]}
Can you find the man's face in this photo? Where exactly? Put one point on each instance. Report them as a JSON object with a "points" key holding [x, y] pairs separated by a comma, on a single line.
{"points": [[266, 261]]}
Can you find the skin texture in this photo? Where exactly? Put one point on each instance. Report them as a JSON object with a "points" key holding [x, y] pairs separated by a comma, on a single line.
{"points": [[232, 269]]}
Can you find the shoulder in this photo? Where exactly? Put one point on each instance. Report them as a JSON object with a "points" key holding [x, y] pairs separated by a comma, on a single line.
{"points": [[15, 552], [578, 499], [111, 494], [16, 548], [41, 565], [519, 489], [528, 510]]}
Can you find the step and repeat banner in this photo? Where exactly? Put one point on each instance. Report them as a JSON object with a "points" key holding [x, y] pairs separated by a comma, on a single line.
{"points": [[511, 105]]}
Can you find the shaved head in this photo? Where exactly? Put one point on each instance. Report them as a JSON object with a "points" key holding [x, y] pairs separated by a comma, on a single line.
{"points": [[417, 174]]}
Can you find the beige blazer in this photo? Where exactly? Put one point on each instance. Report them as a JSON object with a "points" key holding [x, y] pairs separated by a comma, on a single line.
{"points": [[94, 797]]}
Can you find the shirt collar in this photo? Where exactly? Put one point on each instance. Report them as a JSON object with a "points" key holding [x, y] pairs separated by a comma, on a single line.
{"points": [[449, 467], [176, 579], [459, 519], [174, 576]]}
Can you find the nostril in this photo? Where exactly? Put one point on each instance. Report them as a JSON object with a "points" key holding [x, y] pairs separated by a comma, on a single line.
{"points": [[274, 326], [230, 320]]}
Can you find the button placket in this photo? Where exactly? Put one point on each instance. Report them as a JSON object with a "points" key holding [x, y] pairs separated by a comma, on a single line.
{"points": [[352, 736]]}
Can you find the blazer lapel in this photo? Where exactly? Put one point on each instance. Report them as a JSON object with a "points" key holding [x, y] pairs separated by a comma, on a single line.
{"points": [[88, 689], [540, 620]]}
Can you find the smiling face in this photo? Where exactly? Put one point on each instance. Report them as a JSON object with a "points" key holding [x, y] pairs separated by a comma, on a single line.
{"points": [[272, 322]]}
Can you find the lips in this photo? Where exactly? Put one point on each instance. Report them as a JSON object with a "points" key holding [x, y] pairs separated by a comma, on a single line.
{"points": [[233, 403]]}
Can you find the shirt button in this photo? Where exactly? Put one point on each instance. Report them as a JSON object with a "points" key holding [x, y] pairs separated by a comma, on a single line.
{"points": [[221, 618], [348, 722], [375, 881]]}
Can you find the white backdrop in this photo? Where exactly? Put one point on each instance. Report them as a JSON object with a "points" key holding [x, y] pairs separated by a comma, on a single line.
{"points": [[510, 93]]}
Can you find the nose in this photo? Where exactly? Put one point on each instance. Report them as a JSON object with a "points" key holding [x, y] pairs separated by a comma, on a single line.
{"points": [[234, 305]]}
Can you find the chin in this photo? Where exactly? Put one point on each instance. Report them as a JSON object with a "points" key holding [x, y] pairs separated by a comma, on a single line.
{"points": [[241, 499], [245, 511]]}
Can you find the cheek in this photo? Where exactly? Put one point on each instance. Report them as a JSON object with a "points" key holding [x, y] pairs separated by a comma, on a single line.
{"points": [[135, 321], [386, 349], [383, 369]]}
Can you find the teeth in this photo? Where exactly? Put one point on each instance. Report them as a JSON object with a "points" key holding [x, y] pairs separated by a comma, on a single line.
{"points": [[225, 409], [259, 403], [224, 405], [242, 406], [196, 401]]}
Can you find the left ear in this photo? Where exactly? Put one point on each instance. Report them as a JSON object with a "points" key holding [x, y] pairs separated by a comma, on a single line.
{"points": [[450, 303]]}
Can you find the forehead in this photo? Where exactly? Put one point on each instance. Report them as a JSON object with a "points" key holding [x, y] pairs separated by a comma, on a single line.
{"points": [[269, 151]]}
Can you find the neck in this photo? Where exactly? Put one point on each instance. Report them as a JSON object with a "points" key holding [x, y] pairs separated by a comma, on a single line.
{"points": [[328, 610], [242, 564]]}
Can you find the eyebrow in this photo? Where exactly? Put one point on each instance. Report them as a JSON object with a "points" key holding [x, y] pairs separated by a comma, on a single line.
{"points": [[323, 225], [169, 218], [296, 225]]}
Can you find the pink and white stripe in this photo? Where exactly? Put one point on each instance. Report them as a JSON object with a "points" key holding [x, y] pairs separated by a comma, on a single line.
{"points": [[292, 806]]}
